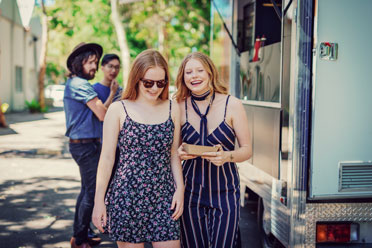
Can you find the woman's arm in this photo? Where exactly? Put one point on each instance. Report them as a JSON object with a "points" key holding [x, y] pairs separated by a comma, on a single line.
{"points": [[98, 108], [177, 202], [111, 128], [239, 123]]}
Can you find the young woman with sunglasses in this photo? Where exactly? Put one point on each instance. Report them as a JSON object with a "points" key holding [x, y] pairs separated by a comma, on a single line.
{"points": [[145, 198], [210, 117]]}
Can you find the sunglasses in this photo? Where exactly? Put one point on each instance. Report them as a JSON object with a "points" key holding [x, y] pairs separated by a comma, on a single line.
{"points": [[150, 83]]}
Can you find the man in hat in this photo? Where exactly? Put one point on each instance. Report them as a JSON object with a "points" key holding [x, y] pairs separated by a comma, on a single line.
{"points": [[84, 112]]}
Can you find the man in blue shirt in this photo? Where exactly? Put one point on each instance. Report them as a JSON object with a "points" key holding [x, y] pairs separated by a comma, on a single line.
{"points": [[84, 113], [108, 89], [110, 66]]}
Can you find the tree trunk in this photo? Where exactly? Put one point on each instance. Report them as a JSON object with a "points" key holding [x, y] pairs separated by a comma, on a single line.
{"points": [[166, 47], [43, 54], [122, 40], [162, 31], [160, 25]]}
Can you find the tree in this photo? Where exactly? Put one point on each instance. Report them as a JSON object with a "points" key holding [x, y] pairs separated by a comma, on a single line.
{"points": [[72, 22], [43, 54], [173, 27], [122, 40]]}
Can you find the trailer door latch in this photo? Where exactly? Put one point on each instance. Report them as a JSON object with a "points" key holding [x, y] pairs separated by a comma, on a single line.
{"points": [[328, 51]]}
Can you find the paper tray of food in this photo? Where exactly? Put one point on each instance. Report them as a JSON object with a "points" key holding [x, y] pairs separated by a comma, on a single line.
{"points": [[199, 150]]}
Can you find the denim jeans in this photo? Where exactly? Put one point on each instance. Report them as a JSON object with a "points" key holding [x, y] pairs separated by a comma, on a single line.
{"points": [[87, 157]]}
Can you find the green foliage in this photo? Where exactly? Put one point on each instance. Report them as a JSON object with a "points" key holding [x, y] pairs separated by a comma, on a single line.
{"points": [[34, 107], [174, 27], [182, 24], [56, 74]]}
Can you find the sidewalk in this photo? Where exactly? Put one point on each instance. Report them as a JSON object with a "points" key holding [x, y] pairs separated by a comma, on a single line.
{"points": [[39, 182], [35, 134]]}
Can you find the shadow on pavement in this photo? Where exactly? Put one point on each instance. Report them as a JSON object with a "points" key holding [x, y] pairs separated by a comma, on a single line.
{"points": [[37, 212], [24, 116], [63, 153], [6, 131]]}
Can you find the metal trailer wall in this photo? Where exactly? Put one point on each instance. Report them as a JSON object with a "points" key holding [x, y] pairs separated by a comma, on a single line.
{"points": [[304, 213], [340, 128], [341, 157]]}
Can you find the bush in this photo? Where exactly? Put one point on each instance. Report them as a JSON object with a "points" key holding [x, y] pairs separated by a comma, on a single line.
{"points": [[34, 107]]}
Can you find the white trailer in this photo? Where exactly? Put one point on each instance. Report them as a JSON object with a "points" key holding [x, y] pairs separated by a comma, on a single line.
{"points": [[307, 92]]}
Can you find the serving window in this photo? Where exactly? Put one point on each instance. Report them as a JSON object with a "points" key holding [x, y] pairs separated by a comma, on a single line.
{"points": [[259, 40]]}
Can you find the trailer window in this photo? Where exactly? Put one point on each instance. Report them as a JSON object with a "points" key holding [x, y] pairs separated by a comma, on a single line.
{"points": [[259, 40]]}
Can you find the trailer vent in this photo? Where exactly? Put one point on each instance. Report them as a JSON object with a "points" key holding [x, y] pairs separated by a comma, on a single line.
{"points": [[355, 176]]}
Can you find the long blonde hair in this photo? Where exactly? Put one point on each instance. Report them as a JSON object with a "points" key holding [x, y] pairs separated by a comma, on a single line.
{"points": [[215, 83], [145, 60]]}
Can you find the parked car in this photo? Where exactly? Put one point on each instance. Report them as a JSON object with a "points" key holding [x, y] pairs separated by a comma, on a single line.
{"points": [[55, 93]]}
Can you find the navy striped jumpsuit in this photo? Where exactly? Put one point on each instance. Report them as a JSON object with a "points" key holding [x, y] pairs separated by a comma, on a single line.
{"points": [[212, 193]]}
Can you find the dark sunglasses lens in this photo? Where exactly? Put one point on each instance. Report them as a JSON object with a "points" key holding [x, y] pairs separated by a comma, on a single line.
{"points": [[161, 84], [148, 84]]}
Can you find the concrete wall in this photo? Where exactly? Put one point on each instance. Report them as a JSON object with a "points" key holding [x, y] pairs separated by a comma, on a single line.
{"points": [[5, 75], [18, 48]]}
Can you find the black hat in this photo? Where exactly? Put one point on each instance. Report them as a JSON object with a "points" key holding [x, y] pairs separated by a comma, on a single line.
{"points": [[83, 47]]}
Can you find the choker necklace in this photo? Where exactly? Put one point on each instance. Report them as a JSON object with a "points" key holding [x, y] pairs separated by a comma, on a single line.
{"points": [[200, 97]]}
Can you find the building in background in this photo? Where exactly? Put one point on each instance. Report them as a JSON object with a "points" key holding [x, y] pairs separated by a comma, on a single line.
{"points": [[20, 43]]}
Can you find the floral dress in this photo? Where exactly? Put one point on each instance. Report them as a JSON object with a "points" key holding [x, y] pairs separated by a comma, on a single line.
{"points": [[140, 195]]}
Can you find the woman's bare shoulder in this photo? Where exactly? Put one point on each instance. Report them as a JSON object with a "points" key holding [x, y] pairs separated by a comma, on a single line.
{"points": [[116, 105], [178, 103], [175, 107], [234, 101], [116, 108]]}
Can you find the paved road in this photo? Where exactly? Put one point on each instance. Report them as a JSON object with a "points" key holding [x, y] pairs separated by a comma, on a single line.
{"points": [[39, 183], [37, 201]]}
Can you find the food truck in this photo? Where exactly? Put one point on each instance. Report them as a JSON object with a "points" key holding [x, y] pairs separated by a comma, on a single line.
{"points": [[303, 71]]}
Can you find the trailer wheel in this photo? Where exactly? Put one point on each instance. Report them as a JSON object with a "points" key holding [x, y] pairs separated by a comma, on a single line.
{"points": [[267, 238]]}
